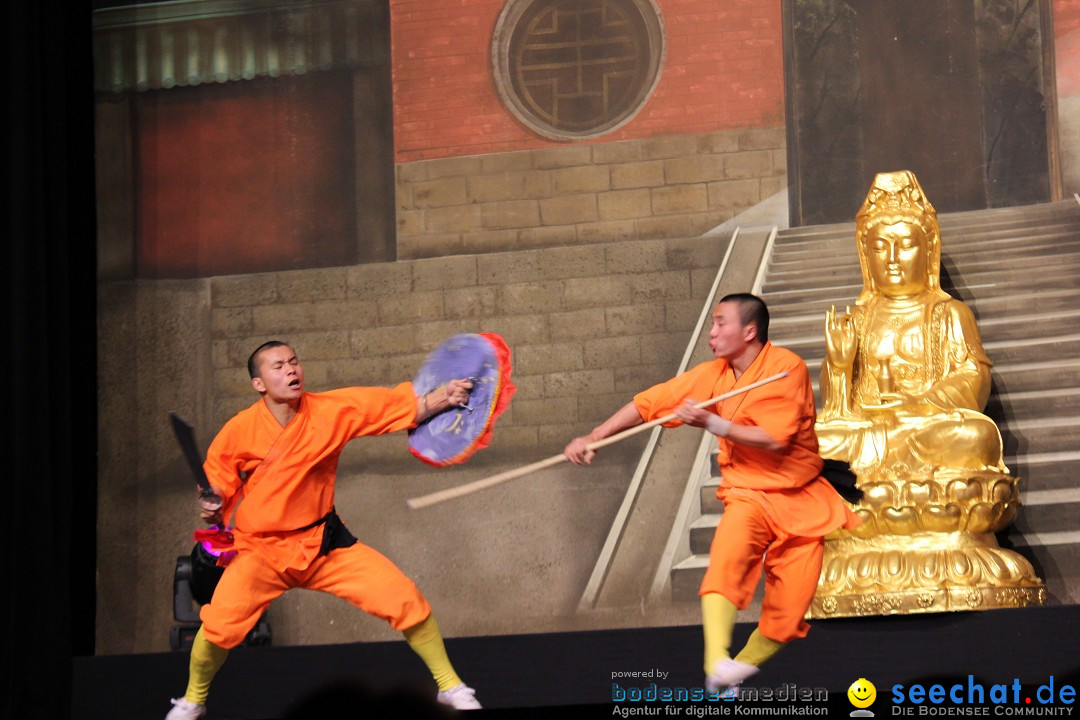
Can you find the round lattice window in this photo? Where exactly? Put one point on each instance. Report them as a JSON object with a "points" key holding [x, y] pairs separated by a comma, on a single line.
{"points": [[574, 69]]}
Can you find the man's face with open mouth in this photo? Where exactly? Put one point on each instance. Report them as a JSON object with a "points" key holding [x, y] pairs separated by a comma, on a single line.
{"points": [[280, 375]]}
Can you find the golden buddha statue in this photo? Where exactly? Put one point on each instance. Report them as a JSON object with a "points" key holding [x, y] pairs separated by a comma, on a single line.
{"points": [[904, 382]]}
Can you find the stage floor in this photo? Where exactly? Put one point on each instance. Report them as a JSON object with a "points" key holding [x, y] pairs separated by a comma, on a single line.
{"points": [[540, 675]]}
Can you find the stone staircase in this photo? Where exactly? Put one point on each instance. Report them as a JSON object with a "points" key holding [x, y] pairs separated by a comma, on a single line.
{"points": [[1019, 271]]}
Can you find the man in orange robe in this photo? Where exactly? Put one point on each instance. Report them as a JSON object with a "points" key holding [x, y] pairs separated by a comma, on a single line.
{"points": [[275, 464], [776, 504]]}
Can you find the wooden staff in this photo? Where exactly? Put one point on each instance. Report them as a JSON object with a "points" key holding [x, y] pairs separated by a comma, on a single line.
{"points": [[476, 485]]}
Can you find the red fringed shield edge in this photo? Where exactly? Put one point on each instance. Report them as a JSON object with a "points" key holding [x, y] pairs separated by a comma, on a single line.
{"points": [[501, 400]]}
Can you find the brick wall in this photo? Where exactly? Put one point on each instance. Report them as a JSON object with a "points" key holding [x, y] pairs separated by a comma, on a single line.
{"points": [[1066, 16], [723, 70], [1067, 48], [664, 187], [588, 326]]}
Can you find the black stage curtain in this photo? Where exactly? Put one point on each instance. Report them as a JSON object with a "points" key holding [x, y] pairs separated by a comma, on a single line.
{"points": [[49, 366]]}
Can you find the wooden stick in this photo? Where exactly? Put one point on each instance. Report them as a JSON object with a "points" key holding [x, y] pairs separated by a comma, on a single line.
{"points": [[476, 485]]}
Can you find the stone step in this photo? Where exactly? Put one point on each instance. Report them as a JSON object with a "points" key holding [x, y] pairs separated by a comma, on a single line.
{"points": [[956, 276], [1000, 351], [965, 285], [686, 578], [786, 310], [964, 244], [1001, 242], [1055, 556], [1007, 377], [1029, 216], [959, 247], [824, 267], [1023, 377], [841, 293], [1026, 409], [1040, 212], [1008, 327], [975, 289], [953, 225], [1040, 435], [701, 533], [1017, 350], [832, 277], [792, 307], [1057, 517], [1020, 255], [1034, 498], [1033, 404], [1016, 226], [1046, 471], [1026, 301], [710, 504]]}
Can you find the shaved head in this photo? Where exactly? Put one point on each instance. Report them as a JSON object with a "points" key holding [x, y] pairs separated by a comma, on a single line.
{"points": [[253, 361], [752, 311]]}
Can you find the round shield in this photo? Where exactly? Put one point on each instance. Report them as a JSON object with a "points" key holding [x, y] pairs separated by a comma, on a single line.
{"points": [[454, 435]]}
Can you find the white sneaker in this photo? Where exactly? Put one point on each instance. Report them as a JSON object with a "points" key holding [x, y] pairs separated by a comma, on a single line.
{"points": [[728, 673], [184, 710], [459, 697]]}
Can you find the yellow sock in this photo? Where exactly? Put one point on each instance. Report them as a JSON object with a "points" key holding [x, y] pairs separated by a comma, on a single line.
{"points": [[758, 649], [717, 621], [427, 642], [206, 660]]}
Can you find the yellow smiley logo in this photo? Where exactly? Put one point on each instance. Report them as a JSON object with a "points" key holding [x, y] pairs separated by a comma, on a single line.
{"points": [[862, 693]]}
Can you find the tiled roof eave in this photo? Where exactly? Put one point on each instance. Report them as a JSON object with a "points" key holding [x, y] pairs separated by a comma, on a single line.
{"points": [[193, 42]]}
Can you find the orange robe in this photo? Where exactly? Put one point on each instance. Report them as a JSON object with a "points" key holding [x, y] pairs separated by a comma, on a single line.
{"points": [[775, 504], [280, 479]]}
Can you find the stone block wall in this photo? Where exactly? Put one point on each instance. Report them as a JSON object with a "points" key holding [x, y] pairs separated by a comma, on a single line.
{"points": [[662, 187], [587, 325]]}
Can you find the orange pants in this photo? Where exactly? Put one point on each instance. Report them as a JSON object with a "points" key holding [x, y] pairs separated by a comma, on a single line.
{"points": [[792, 565], [359, 574]]}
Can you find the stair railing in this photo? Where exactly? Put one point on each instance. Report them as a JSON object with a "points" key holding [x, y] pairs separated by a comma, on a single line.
{"points": [[607, 553]]}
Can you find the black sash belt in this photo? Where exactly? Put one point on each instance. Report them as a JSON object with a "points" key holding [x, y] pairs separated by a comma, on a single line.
{"points": [[335, 534], [839, 475]]}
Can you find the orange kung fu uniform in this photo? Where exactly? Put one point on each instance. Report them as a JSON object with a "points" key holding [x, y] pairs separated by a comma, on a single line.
{"points": [[290, 473], [775, 504]]}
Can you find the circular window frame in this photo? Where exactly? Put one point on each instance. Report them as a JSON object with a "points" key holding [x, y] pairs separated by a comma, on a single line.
{"points": [[507, 22]]}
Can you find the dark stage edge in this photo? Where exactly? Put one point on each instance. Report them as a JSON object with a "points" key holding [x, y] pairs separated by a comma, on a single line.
{"points": [[562, 674]]}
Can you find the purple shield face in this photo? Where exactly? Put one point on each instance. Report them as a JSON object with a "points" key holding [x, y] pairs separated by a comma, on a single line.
{"points": [[451, 436]]}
